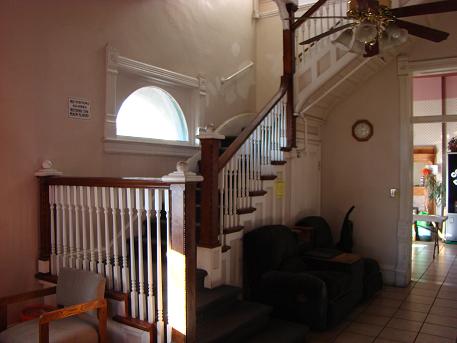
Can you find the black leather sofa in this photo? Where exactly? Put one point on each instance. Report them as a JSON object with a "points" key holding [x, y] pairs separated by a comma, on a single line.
{"points": [[323, 240], [315, 292]]}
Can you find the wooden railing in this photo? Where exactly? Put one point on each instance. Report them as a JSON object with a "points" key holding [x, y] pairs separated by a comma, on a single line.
{"points": [[132, 231]]}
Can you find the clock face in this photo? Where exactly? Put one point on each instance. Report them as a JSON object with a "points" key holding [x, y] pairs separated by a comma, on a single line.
{"points": [[362, 130]]}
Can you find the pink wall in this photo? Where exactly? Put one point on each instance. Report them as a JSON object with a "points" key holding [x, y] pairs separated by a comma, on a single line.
{"points": [[362, 173], [54, 49]]}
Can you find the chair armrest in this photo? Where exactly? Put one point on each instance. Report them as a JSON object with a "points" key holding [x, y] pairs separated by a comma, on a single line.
{"points": [[38, 293], [99, 305], [12, 299]]}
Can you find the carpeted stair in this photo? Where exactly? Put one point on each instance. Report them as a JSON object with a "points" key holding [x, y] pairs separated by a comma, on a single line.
{"points": [[223, 318]]}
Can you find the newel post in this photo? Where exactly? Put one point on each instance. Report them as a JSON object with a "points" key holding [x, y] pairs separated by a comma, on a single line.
{"points": [[43, 175], [209, 223], [182, 256], [289, 70]]}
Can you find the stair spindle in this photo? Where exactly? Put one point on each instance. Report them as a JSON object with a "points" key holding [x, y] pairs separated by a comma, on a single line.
{"points": [[100, 265], [158, 210], [85, 261], [125, 268], [78, 260], [53, 256], [90, 209], [64, 227], [59, 228], [116, 267], [150, 290], [133, 292], [141, 295]]}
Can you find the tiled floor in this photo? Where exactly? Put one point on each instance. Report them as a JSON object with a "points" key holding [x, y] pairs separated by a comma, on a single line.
{"points": [[424, 312]]}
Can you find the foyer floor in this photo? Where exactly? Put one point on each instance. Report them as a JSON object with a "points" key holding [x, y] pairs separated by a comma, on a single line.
{"points": [[424, 312]]}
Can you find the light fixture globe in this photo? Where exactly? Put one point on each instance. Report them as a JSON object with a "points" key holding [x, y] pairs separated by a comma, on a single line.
{"points": [[366, 32], [345, 39]]}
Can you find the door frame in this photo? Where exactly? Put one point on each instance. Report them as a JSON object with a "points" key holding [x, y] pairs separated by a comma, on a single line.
{"points": [[406, 69]]}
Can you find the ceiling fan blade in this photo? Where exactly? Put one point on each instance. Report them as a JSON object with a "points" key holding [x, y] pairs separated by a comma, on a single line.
{"points": [[423, 31], [430, 8], [325, 34]]}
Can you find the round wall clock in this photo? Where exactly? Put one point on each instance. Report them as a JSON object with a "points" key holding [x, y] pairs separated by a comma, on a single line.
{"points": [[362, 130]]}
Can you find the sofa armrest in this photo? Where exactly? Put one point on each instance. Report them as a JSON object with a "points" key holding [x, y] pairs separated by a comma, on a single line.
{"points": [[297, 296]]}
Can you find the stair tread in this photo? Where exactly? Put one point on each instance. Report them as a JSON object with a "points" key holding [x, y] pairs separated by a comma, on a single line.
{"points": [[236, 324], [257, 193], [211, 298], [281, 331], [268, 177], [233, 229], [245, 210]]}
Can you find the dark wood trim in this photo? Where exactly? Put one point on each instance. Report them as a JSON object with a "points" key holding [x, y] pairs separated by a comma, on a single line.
{"points": [[307, 14], [136, 323], [38, 293], [69, 311], [233, 229], [257, 193], [121, 182], [286, 149], [183, 240], [246, 133], [268, 177], [209, 207], [177, 337], [278, 163], [44, 219], [46, 277], [245, 210]]}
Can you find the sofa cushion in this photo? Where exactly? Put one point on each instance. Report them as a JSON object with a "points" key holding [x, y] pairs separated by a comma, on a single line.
{"points": [[338, 283], [67, 330]]}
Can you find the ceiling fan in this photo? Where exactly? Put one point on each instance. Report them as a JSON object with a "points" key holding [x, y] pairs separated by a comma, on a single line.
{"points": [[376, 27]]}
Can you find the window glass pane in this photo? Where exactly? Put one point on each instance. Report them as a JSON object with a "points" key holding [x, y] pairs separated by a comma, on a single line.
{"points": [[150, 112], [451, 95], [426, 136], [427, 96]]}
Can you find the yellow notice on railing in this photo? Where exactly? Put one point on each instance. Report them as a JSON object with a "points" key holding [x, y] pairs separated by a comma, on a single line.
{"points": [[279, 186]]}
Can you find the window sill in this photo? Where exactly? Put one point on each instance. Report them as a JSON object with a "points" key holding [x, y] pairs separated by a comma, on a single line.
{"points": [[131, 145]]}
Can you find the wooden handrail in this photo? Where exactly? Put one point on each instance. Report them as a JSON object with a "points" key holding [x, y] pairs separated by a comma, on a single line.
{"points": [[120, 182], [244, 135], [307, 14]]}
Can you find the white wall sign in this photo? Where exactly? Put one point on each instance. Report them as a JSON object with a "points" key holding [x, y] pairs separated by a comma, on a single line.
{"points": [[78, 108]]}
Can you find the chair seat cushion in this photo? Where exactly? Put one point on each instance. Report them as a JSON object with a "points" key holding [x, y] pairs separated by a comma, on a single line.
{"points": [[67, 330], [338, 284]]}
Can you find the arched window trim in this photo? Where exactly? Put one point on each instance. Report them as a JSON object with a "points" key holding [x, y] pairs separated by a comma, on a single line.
{"points": [[193, 87]]}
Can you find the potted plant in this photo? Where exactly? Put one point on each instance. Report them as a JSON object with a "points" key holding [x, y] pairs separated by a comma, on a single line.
{"points": [[434, 189]]}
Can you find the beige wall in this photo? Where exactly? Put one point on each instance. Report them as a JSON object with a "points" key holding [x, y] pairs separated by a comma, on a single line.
{"points": [[55, 49], [269, 59], [361, 174]]}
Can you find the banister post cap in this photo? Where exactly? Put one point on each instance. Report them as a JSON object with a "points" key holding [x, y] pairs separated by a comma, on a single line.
{"points": [[47, 169], [208, 132], [182, 174]]}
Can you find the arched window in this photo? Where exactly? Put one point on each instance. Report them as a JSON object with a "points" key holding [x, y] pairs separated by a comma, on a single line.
{"points": [[150, 112]]}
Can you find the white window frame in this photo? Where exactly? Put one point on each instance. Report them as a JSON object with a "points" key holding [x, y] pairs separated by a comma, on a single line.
{"points": [[194, 87]]}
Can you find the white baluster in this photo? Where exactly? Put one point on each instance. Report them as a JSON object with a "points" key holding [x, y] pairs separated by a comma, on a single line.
{"points": [[150, 290], [226, 174], [231, 192], [108, 266], [64, 228], [59, 228], [125, 267], [221, 200], [166, 195], [141, 295], [71, 249], [160, 321], [100, 265], [90, 209], [52, 203], [84, 229], [133, 292], [78, 261], [116, 267]]}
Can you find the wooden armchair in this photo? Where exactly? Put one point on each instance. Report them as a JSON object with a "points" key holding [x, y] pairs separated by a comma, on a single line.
{"points": [[80, 293]]}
